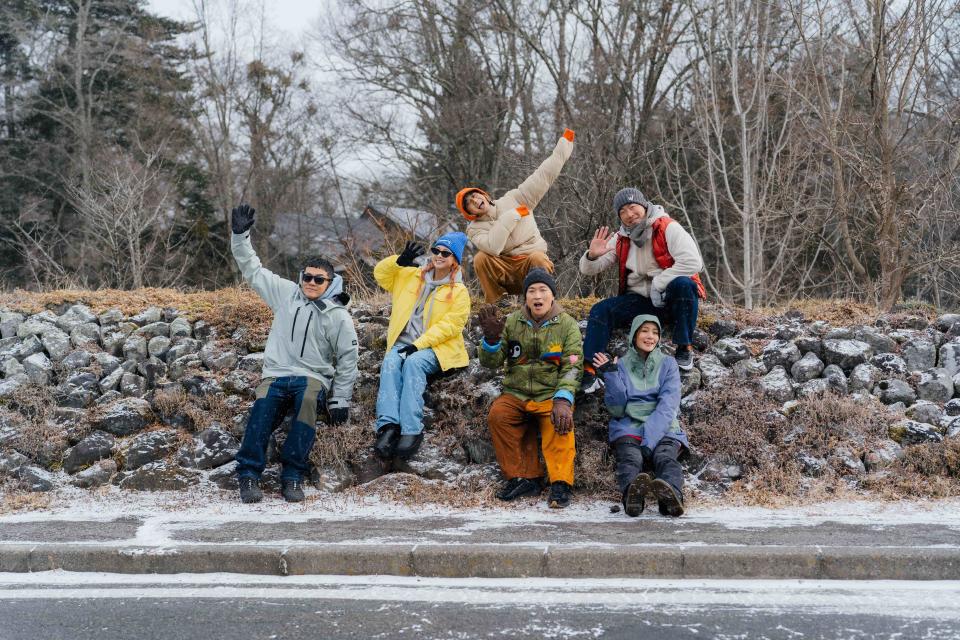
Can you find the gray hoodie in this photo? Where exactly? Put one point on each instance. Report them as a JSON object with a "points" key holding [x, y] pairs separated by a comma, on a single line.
{"points": [[315, 338], [418, 319]]}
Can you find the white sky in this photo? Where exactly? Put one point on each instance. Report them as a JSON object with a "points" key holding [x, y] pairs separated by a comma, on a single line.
{"points": [[290, 16]]}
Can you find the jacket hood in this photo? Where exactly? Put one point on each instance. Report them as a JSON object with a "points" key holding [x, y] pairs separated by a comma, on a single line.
{"points": [[635, 326], [333, 296], [461, 196]]}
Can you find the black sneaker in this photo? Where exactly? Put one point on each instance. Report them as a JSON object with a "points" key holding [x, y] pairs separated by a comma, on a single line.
{"points": [[292, 490], [633, 495], [518, 488], [684, 359], [386, 444], [560, 494], [408, 445], [669, 501], [590, 383], [250, 490]]}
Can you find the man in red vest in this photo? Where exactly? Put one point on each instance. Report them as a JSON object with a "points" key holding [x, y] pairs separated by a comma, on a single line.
{"points": [[658, 263]]}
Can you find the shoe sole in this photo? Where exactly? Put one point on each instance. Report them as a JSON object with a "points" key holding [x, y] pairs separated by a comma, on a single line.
{"points": [[685, 367], [636, 490], [531, 492], [667, 498], [252, 500], [556, 504]]}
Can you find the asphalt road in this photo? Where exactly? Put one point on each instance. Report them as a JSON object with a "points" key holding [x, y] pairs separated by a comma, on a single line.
{"points": [[102, 606]]}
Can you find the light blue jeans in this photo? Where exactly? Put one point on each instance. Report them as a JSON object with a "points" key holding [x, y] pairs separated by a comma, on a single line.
{"points": [[402, 383]]}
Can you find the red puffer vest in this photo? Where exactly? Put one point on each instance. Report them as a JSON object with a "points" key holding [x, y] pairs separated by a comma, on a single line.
{"points": [[660, 253]]}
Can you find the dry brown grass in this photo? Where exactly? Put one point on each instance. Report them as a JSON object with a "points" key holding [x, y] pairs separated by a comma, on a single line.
{"points": [[14, 501], [837, 312]]}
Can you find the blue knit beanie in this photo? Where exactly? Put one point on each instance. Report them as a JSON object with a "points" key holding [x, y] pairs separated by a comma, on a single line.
{"points": [[455, 241]]}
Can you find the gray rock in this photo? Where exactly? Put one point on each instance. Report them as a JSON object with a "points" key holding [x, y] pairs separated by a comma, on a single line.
{"points": [[925, 411], [807, 368], [252, 362], [778, 385], [77, 359], [882, 456], [846, 354], [38, 368], [11, 367], [111, 381], [135, 348], [24, 348], [819, 327], [755, 333], [96, 475], [950, 357], [788, 332], [919, 354], [113, 316], [780, 353], [722, 328], [202, 330], [158, 347], [74, 317], [56, 343], [813, 388], [212, 447], [430, 463], [952, 408], [85, 335], [332, 479], [225, 477], [105, 362], [730, 350], [154, 329], [689, 381], [847, 463], [863, 378], [108, 397], [132, 385], [840, 333], [34, 479], [935, 385], [907, 432], [180, 328], [10, 386], [34, 326], [94, 447], [890, 363], [84, 380], [711, 370], [947, 321], [893, 391], [9, 323], [183, 347], [479, 450], [113, 337], [951, 427], [749, 368], [216, 359], [147, 447], [11, 461], [148, 316], [880, 342], [809, 344], [159, 476], [836, 378], [182, 366], [125, 417], [811, 465], [241, 382]]}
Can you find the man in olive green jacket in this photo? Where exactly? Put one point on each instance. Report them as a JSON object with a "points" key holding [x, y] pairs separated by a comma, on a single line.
{"points": [[543, 352]]}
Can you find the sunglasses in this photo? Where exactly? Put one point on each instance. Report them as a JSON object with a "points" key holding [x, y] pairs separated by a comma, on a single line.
{"points": [[306, 277], [440, 252]]}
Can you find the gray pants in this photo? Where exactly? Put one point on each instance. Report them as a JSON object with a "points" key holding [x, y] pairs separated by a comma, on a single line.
{"points": [[632, 458]]}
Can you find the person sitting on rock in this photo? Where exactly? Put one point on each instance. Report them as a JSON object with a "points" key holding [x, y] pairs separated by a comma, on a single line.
{"points": [[310, 361], [431, 306], [658, 264], [642, 394], [504, 230], [543, 353]]}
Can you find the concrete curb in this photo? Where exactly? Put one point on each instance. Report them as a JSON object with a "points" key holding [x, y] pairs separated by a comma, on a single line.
{"points": [[497, 561]]}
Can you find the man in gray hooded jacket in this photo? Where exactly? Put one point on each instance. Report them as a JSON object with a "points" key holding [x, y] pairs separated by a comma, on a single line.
{"points": [[310, 361]]}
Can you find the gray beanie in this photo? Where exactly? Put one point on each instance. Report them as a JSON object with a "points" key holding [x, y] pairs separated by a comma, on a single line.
{"points": [[627, 196]]}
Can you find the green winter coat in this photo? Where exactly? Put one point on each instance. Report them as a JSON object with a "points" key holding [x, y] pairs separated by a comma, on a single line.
{"points": [[543, 362]]}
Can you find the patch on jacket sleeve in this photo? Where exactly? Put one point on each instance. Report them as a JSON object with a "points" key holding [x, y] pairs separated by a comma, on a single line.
{"points": [[554, 354], [515, 352]]}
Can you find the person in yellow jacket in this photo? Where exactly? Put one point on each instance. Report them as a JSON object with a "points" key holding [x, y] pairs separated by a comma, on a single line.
{"points": [[431, 306], [504, 231]]}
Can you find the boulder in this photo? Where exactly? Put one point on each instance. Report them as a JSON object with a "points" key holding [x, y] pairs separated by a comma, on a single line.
{"points": [[153, 330], [35, 326], [813, 388], [935, 385], [429, 462], [749, 368], [894, 391], [94, 447], [147, 447], [890, 364], [919, 354], [9, 323], [85, 335], [778, 385], [77, 359], [809, 344], [811, 465], [241, 382], [925, 411], [780, 353], [907, 432], [34, 479], [125, 417], [11, 461], [807, 368], [158, 347], [722, 328], [106, 363], [159, 476], [878, 341], [96, 475], [755, 333], [180, 328], [947, 321], [950, 357], [332, 479], [10, 386], [846, 462], [135, 348], [11, 367], [216, 359], [689, 381], [183, 347], [132, 385], [212, 447], [882, 456], [952, 408], [111, 381], [730, 350], [711, 370], [56, 343], [148, 316], [225, 477], [182, 366], [846, 354], [836, 378], [24, 348], [252, 362], [113, 337], [38, 368]]}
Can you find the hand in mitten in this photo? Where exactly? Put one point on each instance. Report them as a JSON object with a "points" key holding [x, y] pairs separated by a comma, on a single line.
{"points": [[241, 218], [603, 364], [491, 323], [657, 297], [562, 416], [411, 251], [407, 350]]}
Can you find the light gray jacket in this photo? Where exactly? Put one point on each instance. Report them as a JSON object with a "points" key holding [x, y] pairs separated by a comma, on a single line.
{"points": [[307, 338]]}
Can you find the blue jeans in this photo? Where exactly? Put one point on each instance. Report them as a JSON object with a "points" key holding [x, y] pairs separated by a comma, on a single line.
{"points": [[402, 383], [305, 397], [681, 308]]}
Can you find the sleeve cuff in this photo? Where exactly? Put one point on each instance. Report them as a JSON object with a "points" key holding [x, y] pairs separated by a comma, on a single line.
{"points": [[339, 403], [490, 348], [563, 394], [569, 134]]}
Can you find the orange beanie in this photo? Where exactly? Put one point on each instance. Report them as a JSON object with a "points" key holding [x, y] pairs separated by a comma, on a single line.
{"points": [[462, 195]]}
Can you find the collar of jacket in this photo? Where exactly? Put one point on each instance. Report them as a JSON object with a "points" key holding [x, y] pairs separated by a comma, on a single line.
{"points": [[341, 299], [552, 316]]}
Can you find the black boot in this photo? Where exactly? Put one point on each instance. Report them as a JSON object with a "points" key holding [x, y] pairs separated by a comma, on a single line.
{"points": [[386, 443], [633, 495], [669, 501], [560, 494], [518, 488], [408, 445], [292, 490], [250, 490]]}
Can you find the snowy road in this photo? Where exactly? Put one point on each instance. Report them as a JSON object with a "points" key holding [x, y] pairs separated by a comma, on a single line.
{"points": [[79, 606]]}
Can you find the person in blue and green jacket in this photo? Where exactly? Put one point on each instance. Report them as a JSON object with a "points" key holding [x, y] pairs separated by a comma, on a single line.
{"points": [[642, 394]]}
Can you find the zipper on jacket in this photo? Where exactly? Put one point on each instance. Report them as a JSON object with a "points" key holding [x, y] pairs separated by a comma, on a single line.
{"points": [[305, 332], [294, 327]]}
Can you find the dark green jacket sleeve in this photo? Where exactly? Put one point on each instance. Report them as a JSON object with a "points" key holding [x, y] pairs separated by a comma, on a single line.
{"points": [[571, 365]]}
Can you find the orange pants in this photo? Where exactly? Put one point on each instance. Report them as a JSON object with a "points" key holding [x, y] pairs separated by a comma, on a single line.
{"points": [[504, 274], [514, 424]]}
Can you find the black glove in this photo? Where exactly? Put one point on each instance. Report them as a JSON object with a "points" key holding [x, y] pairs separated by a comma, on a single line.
{"points": [[241, 218], [407, 350], [411, 252], [338, 415], [607, 367]]}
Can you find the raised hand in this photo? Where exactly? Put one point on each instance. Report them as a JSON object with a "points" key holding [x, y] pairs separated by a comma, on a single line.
{"points": [[598, 246], [241, 218], [602, 363], [491, 323], [411, 251]]}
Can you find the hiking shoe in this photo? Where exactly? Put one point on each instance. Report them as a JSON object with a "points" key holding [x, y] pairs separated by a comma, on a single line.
{"points": [[386, 444], [684, 359], [560, 494], [518, 488], [633, 495], [292, 490], [250, 490], [590, 383], [669, 501], [408, 445]]}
